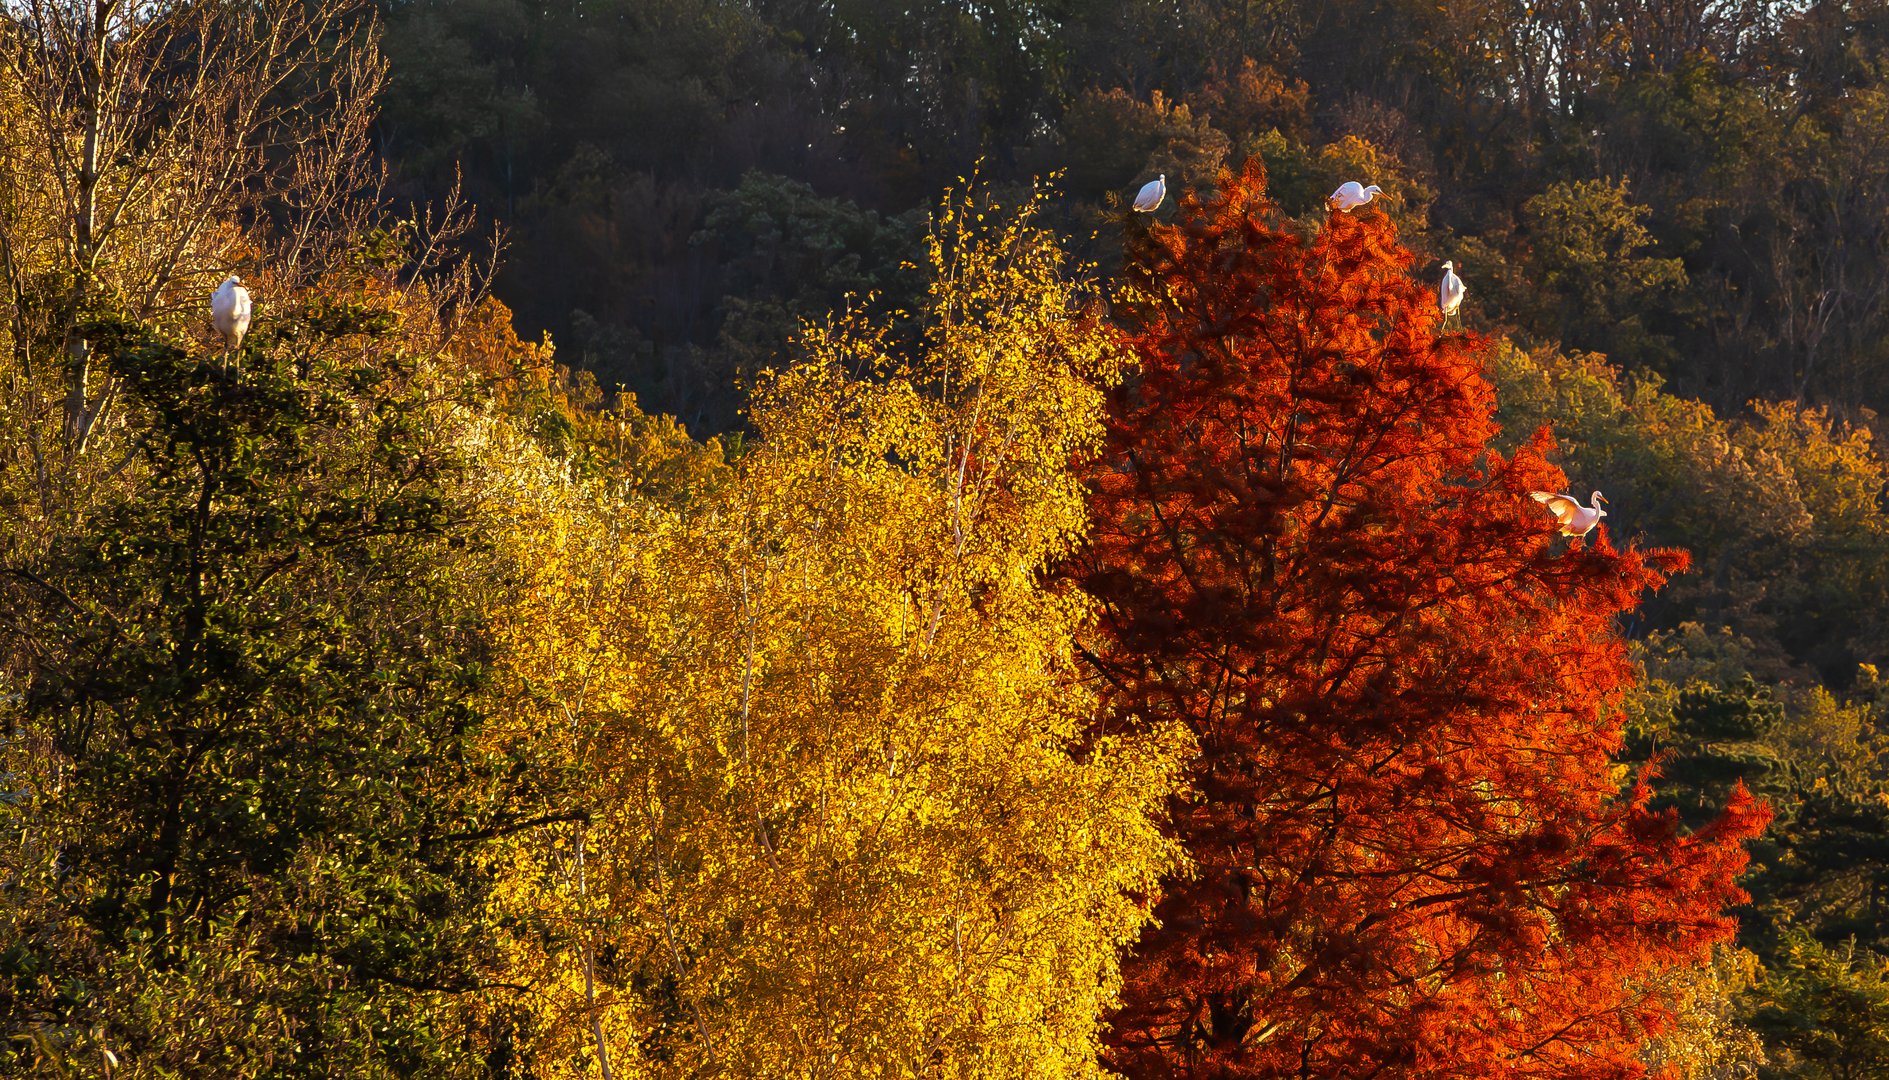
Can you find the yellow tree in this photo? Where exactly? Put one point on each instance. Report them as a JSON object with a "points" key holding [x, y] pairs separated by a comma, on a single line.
{"points": [[843, 816]]}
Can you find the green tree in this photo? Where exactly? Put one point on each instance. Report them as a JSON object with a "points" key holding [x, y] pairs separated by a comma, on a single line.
{"points": [[251, 789], [1595, 284], [1824, 1012], [784, 256]]}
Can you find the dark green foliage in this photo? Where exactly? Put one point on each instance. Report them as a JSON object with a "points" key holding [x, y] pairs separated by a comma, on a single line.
{"points": [[260, 667], [1820, 875], [1711, 739], [1699, 193], [782, 256], [1824, 1012]]}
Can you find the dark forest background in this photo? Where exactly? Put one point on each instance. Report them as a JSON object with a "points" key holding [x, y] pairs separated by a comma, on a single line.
{"points": [[1693, 189]]}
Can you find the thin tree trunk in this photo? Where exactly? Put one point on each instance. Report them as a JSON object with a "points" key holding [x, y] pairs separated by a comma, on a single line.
{"points": [[83, 414], [590, 970]]}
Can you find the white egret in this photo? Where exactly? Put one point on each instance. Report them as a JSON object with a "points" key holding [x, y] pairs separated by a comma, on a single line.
{"points": [[229, 310], [1449, 296], [1151, 195], [1575, 519], [1351, 195]]}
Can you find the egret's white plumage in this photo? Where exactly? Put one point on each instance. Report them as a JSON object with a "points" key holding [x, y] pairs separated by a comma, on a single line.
{"points": [[229, 310], [1352, 194], [1151, 195], [1575, 519], [1449, 294]]}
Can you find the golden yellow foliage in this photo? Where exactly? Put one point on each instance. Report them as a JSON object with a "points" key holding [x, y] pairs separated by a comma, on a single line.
{"points": [[1833, 466], [844, 819], [1710, 1041]]}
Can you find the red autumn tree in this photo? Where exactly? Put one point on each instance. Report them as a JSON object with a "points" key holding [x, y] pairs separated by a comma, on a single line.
{"points": [[1414, 857]]}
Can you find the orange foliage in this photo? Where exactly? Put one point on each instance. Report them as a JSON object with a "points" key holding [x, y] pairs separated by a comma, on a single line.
{"points": [[1414, 855]]}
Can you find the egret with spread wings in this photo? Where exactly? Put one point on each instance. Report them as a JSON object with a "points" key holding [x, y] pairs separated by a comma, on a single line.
{"points": [[1575, 519]]}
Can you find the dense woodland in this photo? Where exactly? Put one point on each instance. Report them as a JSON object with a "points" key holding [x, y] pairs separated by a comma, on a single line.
{"points": [[729, 549]]}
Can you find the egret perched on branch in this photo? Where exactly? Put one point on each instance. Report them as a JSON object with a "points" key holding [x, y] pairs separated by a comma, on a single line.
{"points": [[229, 310], [1351, 195], [1575, 519], [1449, 296], [1151, 195]]}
